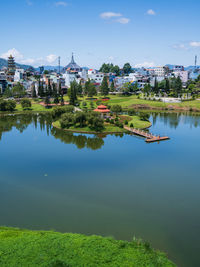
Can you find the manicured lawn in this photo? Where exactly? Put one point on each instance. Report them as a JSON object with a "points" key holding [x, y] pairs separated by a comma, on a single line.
{"points": [[35, 107], [40, 248], [137, 122]]}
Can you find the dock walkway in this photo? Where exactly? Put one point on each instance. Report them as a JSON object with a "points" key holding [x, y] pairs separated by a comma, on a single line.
{"points": [[150, 138]]}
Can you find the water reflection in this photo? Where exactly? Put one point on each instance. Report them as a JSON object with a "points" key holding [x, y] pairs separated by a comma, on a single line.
{"points": [[174, 119], [44, 121]]}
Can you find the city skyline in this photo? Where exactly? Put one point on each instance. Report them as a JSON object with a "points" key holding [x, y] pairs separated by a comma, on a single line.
{"points": [[144, 34]]}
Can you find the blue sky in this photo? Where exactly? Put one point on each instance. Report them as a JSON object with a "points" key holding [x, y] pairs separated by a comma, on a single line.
{"points": [[145, 32]]}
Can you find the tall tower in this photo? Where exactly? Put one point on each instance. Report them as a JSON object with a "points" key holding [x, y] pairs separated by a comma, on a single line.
{"points": [[11, 68]]}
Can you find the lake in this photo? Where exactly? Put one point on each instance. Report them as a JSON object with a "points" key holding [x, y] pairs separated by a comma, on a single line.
{"points": [[115, 185]]}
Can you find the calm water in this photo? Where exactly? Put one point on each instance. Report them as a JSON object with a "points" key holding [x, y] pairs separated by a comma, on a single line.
{"points": [[113, 186]]}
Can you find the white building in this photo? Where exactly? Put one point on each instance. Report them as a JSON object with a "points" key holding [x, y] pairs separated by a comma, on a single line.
{"points": [[184, 75], [69, 78], [159, 71], [19, 73], [95, 76]]}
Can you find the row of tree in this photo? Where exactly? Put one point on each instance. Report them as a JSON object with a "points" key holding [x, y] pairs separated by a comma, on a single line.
{"points": [[110, 68]]}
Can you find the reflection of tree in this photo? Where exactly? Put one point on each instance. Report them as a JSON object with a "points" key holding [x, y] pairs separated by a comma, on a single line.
{"points": [[21, 122], [81, 141]]}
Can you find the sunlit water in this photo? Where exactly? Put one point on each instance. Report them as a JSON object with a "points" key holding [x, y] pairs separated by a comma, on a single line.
{"points": [[113, 186]]}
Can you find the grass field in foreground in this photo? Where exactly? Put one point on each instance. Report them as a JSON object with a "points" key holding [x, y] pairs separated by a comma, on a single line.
{"points": [[50, 249]]}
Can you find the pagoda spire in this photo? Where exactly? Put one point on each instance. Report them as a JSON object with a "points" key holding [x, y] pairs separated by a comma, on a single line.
{"points": [[72, 61]]}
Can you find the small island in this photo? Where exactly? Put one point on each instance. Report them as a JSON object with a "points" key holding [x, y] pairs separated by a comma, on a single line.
{"points": [[100, 120]]}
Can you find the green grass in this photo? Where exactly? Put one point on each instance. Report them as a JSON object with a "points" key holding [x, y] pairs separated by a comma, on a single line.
{"points": [[128, 101], [35, 107], [138, 123], [50, 249]]}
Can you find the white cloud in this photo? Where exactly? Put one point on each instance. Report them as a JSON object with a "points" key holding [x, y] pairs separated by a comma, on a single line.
{"points": [[61, 3], [180, 46], [14, 52], [151, 12], [51, 58], [19, 58], [123, 20], [195, 44], [109, 15], [145, 65], [112, 15]]}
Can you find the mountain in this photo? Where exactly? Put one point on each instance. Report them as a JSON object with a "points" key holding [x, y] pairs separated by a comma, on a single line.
{"points": [[4, 63]]}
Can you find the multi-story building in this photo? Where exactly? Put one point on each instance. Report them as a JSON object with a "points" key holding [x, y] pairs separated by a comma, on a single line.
{"points": [[159, 71], [3, 82], [95, 76]]}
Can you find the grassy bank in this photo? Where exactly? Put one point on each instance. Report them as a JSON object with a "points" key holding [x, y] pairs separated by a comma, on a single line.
{"points": [[110, 128], [50, 249]]}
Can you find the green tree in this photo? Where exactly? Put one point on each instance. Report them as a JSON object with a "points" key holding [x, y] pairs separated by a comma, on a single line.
{"points": [[18, 90], [155, 88], [127, 68], [92, 90], [7, 93], [178, 86], [104, 87], [116, 109], [72, 93], [112, 86], [26, 103], [34, 95]]}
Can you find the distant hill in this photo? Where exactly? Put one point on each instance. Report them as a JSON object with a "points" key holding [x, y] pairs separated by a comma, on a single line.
{"points": [[4, 63]]}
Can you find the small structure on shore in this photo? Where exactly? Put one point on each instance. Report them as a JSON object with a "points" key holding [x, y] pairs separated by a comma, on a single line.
{"points": [[103, 110]]}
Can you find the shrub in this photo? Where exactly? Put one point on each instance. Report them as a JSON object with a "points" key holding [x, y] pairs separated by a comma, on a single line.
{"points": [[131, 112], [84, 104], [116, 119], [107, 120], [7, 105], [112, 121], [26, 103], [131, 125], [121, 125], [126, 122], [67, 120]]}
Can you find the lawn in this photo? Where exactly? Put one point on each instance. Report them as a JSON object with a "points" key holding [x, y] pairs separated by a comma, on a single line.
{"points": [[50, 249]]}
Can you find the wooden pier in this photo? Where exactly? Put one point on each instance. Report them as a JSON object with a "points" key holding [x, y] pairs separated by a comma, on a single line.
{"points": [[150, 138]]}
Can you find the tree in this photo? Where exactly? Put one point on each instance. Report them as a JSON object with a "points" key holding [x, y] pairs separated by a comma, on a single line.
{"points": [[178, 86], [116, 109], [26, 103], [34, 95], [46, 72], [91, 89], [104, 87], [54, 91], [167, 86], [147, 89], [81, 118], [7, 105], [62, 102], [49, 91], [40, 89], [112, 86], [79, 89], [72, 93], [127, 68], [47, 101], [56, 99], [155, 88], [8, 93], [66, 120], [18, 90]]}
